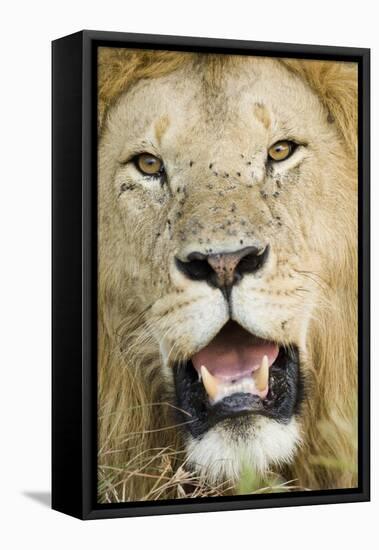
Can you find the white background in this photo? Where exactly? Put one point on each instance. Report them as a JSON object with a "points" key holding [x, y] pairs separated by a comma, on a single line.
{"points": [[26, 31]]}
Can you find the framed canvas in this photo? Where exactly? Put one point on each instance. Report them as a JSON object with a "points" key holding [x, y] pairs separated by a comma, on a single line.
{"points": [[210, 275]]}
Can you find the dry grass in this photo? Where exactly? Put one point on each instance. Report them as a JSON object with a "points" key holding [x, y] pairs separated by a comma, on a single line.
{"points": [[164, 468], [169, 477]]}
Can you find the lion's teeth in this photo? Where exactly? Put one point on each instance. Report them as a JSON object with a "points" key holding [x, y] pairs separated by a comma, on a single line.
{"points": [[210, 382], [260, 376], [217, 389]]}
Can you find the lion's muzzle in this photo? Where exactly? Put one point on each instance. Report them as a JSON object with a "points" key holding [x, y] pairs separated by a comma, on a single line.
{"points": [[224, 269]]}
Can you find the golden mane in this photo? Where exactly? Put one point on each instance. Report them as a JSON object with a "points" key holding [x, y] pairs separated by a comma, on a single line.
{"points": [[140, 450], [120, 68]]}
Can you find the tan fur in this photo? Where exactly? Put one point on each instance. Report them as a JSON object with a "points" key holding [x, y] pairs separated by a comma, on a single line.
{"points": [[336, 84], [140, 448], [120, 68], [262, 115]]}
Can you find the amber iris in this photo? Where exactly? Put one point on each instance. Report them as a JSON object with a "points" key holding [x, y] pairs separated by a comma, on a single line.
{"points": [[281, 150], [148, 164]]}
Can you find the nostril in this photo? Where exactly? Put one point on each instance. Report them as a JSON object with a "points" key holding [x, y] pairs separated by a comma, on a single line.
{"points": [[196, 267], [224, 269], [253, 261]]}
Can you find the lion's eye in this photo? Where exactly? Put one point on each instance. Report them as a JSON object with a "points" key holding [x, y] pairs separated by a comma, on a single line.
{"points": [[281, 150], [148, 164]]}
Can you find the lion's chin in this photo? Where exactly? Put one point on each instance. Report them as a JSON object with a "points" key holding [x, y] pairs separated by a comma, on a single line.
{"points": [[224, 452], [235, 380]]}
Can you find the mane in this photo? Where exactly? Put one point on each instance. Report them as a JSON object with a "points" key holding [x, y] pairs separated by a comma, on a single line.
{"points": [[336, 84], [120, 68], [329, 457], [140, 448]]}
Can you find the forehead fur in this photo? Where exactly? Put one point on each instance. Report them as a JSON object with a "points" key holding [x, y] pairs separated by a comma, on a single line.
{"points": [[335, 83]]}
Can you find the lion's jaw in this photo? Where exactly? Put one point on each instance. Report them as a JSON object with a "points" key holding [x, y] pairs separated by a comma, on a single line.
{"points": [[231, 432], [221, 194]]}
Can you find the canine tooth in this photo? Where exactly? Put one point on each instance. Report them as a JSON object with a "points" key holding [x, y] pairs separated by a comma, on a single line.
{"points": [[260, 376], [209, 381]]}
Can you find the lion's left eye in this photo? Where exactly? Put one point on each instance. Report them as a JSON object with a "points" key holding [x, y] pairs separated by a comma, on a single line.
{"points": [[281, 150], [149, 165]]}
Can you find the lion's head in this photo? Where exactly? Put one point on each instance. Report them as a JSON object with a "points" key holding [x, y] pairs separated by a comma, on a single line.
{"points": [[227, 264]]}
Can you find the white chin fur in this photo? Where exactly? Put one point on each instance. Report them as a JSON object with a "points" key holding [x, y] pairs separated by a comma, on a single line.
{"points": [[218, 455]]}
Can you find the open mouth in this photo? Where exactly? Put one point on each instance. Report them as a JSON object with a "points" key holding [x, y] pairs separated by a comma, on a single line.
{"points": [[238, 374]]}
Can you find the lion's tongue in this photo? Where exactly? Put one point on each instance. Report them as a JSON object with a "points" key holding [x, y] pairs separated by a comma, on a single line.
{"points": [[234, 354]]}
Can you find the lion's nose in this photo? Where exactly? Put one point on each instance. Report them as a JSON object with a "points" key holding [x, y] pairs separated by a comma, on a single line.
{"points": [[225, 269]]}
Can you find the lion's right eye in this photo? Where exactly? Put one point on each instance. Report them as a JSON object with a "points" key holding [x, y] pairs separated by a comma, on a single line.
{"points": [[149, 165]]}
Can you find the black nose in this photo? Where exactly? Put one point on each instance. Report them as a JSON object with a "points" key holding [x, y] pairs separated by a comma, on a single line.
{"points": [[225, 269]]}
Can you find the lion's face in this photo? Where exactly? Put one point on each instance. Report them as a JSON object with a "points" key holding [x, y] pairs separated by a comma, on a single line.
{"points": [[222, 188]]}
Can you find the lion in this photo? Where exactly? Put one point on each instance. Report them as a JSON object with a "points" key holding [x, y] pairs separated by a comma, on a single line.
{"points": [[227, 273]]}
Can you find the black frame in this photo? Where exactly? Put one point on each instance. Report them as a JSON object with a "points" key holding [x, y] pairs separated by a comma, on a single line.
{"points": [[74, 204]]}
